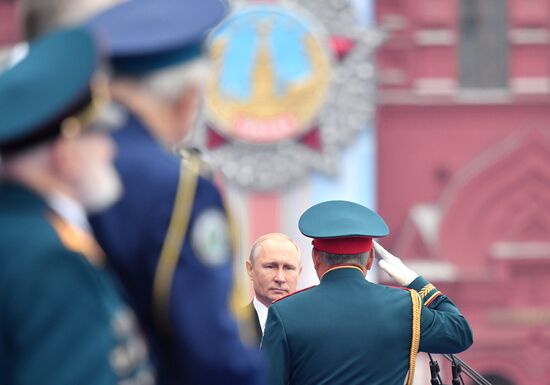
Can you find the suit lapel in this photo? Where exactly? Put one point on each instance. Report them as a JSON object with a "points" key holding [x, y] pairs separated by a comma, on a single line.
{"points": [[258, 328]]}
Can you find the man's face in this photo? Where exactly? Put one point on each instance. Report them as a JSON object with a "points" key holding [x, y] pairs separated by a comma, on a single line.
{"points": [[87, 164], [101, 187], [275, 270]]}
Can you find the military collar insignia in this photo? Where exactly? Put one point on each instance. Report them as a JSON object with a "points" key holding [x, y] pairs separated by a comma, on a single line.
{"points": [[210, 238], [356, 267]]}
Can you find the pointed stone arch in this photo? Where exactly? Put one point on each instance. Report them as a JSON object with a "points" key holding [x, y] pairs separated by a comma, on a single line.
{"points": [[501, 199]]}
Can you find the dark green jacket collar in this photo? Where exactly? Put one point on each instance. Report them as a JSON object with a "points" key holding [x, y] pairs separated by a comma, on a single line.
{"points": [[15, 194], [342, 272]]}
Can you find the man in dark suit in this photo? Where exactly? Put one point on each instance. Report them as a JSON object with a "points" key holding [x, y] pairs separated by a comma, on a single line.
{"points": [[258, 332], [273, 267], [347, 330]]}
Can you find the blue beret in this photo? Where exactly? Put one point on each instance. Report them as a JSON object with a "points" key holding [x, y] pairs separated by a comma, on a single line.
{"points": [[338, 219], [48, 85], [146, 35]]}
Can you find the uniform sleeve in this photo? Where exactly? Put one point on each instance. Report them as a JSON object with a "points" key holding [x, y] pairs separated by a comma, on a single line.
{"points": [[443, 328], [274, 347], [206, 343], [60, 329]]}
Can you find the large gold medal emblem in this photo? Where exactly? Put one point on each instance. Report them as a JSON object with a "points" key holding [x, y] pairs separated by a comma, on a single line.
{"points": [[275, 100], [285, 89]]}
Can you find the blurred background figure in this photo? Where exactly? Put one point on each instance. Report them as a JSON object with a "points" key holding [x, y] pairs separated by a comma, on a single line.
{"points": [[63, 320], [273, 267]]}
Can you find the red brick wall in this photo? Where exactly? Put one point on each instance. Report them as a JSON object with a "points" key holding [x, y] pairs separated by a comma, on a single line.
{"points": [[482, 161], [9, 26]]}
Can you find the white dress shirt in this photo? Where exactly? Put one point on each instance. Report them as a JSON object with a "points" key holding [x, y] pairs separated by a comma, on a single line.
{"points": [[261, 310], [70, 210]]}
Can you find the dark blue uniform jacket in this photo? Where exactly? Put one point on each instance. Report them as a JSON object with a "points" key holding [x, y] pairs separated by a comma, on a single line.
{"points": [[204, 347]]}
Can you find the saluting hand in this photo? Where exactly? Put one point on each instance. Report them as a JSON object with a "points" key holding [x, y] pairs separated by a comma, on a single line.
{"points": [[393, 266]]}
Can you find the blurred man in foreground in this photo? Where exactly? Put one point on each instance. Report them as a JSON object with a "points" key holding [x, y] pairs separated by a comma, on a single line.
{"points": [[62, 320], [274, 267], [347, 330], [168, 237]]}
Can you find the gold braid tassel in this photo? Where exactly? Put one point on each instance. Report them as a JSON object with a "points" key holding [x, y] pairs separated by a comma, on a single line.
{"points": [[415, 340], [173, 242]]}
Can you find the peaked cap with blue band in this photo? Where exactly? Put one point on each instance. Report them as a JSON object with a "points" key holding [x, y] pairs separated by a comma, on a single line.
{"points": [[48, 85], [145, 35], [342, 227]]}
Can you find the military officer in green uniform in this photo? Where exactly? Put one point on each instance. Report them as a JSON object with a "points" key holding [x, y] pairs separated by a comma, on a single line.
{"points": [[62, 319], [347, 330]]}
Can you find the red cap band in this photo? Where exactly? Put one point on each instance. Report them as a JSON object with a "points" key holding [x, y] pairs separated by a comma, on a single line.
{"points": [[344, 245]]}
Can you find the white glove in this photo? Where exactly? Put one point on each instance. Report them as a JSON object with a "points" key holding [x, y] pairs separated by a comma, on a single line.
{"points": [[393, 266]]}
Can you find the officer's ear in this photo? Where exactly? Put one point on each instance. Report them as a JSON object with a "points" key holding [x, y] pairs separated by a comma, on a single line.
{"points": [[186, 107], [370, 260], [315, 258]]}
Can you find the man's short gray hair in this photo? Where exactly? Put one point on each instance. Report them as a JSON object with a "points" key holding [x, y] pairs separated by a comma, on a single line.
{"points": [[336, 259], [169, 83], [258, 243], [42, 16]]}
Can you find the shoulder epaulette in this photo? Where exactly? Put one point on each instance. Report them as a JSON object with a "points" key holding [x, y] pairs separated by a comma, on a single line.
{"points": [[76, 240], [291, 294]]}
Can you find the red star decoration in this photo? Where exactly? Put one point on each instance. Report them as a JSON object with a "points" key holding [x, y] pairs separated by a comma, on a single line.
{"points": [[312, 139], [214, 139], [341, 46]]}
